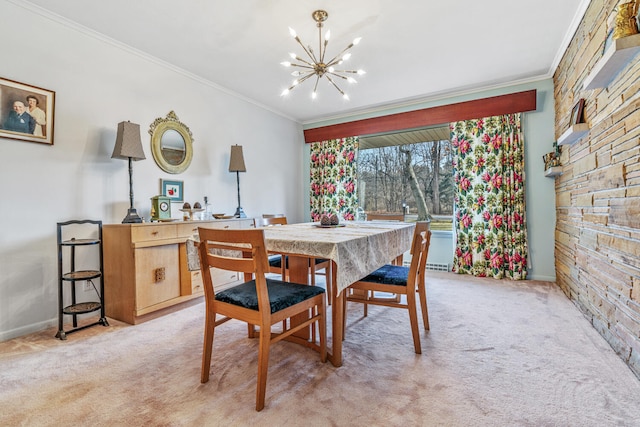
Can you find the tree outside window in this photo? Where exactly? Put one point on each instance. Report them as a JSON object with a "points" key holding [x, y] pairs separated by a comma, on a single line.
{"points": [[416, 179]]}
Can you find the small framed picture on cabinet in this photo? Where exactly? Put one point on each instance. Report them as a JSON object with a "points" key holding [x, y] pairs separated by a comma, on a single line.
{"points": [[174, 190]]}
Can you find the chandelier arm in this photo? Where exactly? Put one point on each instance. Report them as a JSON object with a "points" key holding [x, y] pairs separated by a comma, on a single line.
{"points": [[336, 59], [305, 77], [305, 61], [316, 85], [313, 58], [310, 66], [334, 85], [335, 74]]}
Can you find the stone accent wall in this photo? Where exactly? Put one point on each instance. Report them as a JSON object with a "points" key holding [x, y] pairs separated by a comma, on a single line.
{"points": [[597, 247]]}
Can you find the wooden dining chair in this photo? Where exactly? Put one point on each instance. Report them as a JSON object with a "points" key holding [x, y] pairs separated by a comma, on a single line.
{"points": [[374, 216], [401, 280], [276, 261], [260, 301]]}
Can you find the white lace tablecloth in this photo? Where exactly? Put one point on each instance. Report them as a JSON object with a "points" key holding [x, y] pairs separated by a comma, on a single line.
{"points": [[358, 248]]}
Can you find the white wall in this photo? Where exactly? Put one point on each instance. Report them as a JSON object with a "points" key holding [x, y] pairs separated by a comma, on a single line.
{"points": [[540, 191], [99, 84]]}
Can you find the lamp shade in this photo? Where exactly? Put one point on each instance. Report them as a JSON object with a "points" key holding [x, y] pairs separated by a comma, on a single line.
{"points": [[128, 142], [236, 163]]}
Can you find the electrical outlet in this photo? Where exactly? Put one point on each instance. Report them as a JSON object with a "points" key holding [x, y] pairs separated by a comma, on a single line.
{"points": [[87, 286]]}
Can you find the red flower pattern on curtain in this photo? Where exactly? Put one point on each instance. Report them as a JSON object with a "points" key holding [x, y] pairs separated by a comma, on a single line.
{"points": [[491, 234], [333, 176]]}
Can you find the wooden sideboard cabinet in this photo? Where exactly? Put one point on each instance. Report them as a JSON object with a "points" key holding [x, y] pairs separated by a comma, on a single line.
{"points": [[145, 267]]}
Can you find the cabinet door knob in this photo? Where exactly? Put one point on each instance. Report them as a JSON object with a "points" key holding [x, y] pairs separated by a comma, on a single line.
{"points": [[154, 232]]}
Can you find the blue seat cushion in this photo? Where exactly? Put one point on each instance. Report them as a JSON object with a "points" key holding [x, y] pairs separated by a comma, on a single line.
{"points": [[276, 261], [390, 275], [281, 294]]}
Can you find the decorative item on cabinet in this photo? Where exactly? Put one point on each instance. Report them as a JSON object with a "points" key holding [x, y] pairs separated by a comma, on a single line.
{"points": [[236, 164], [160, 208], [129, 147], [208, 210], [74, 275], [172, 189], [189, 211]]}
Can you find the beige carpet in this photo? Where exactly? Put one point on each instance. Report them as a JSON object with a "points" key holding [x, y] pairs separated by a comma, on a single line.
{"points": [[499, 353]]}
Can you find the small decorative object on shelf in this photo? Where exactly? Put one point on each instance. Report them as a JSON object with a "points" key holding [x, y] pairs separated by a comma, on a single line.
{"points": [[577, 127], [73, 275], [626, 23], [577, 113], [551, 160], [621, 45]]}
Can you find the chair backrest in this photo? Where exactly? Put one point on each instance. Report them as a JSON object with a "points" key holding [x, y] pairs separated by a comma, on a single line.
{"points": [[419, 252], [385, 216], [266, 222], [242, 250]]}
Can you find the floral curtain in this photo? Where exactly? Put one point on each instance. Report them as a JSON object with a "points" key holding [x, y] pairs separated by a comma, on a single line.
{"points": [[333, 178], [491, 238]]}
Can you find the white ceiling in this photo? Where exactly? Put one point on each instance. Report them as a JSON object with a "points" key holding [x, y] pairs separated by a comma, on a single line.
{"points": [[412, 50]]}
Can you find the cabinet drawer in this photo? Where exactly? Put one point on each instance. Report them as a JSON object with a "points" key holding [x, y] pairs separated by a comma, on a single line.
{"points": [[190, 229], [157, 275], [220, 278], [153, 232], [226, 224], [196, 282]]}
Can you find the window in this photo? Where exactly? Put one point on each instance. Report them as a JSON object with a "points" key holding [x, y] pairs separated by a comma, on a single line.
{"points": [[384, 178]]}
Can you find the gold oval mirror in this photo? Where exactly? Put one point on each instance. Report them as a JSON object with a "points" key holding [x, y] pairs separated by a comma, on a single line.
{"points": [[171, 143]]}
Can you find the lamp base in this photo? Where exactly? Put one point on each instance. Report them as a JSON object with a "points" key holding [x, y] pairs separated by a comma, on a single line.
{"points": [[132, 217], [239, 213]]}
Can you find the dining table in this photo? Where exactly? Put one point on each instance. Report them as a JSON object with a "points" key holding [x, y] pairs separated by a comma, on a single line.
{"points": [[355, 248]]}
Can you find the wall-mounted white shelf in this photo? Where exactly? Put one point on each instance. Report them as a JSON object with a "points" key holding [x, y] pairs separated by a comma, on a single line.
{"points": [[553, 171], [573, 134], [618, 55]]}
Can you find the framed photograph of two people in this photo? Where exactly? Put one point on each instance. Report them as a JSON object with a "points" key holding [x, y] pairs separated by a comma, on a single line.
{"points": [[26, 112]]}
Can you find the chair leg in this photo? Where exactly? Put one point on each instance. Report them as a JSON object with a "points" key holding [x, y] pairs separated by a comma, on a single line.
{"points": [[209, 329], [263, 366], [322, 326], [423, 305], [413, 318]]}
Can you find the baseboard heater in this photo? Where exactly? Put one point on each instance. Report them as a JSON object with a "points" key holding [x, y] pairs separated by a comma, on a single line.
{"points": [[432, 266]]}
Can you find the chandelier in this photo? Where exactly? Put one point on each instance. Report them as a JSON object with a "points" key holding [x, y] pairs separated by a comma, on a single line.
{"points": [[317, 65]]}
